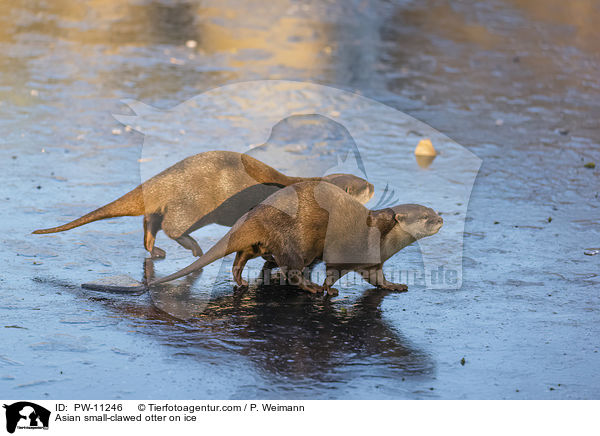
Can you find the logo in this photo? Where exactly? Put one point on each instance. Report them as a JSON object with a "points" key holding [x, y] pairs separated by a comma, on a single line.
{"points": [[26, 415], [310, 130]]}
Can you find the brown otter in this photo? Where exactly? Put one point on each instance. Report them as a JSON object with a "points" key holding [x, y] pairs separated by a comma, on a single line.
{"points": [[316, 220], [212, 187]]}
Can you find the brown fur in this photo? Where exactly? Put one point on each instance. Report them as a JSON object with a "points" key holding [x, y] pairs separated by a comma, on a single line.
{"points": [[309, 221], [212, 187]]}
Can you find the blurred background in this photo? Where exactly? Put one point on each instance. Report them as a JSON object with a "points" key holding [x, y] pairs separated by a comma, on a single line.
{"points": [[514, 81]]}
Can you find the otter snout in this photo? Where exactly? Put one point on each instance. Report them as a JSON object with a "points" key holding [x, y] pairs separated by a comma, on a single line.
{"points": [[438, 222], [366, 192]]}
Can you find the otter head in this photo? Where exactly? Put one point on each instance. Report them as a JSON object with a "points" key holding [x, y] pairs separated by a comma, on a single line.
{"points": [[416, 220], [353, 185], [402, 225]]}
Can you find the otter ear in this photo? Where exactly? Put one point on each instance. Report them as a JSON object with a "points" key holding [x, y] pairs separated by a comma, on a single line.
{"points": [[400, 217], [382, 219]]}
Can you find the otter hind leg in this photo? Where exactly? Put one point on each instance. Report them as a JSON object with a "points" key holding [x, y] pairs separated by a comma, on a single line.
{"points": [[239, 263], [292, 266], [186, 241], [152, 225]]}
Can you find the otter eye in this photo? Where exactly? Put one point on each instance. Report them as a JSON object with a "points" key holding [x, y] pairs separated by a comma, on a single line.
{"points": [[424, 217]]}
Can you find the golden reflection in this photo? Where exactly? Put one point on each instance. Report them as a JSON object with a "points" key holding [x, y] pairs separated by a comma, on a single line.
{"points": [[288, 42], [580, 15], [279, 38], [443, 19], [424, 161], [156, 49]]}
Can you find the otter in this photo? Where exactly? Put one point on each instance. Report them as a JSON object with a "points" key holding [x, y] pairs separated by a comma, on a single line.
{"points": [[212, 187], [312, 221]]}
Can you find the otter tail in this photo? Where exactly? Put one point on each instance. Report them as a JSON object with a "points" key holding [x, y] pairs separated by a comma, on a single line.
{"points": [[234, 240], [130, 204]]}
